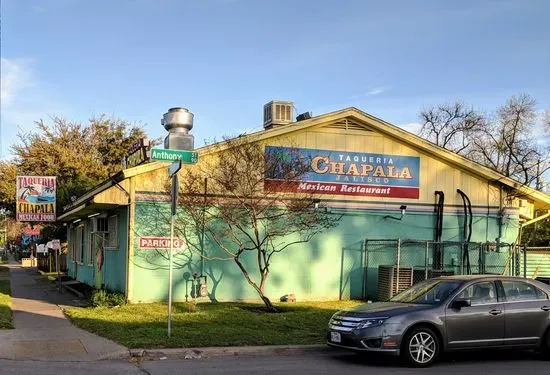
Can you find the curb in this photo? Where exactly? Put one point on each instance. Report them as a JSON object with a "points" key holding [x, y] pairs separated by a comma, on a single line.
{"points": [[120, 354], [198, 353]]}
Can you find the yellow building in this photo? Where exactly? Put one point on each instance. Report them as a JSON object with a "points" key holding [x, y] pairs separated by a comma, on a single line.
{"points": [[404, 202]]}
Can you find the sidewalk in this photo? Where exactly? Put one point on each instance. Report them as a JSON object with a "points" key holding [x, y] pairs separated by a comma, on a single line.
{"points": [[42, 332]]}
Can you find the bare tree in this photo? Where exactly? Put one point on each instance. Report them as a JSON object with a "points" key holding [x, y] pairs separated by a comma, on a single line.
{"points": [[452, 125], [240, 216], [508, 145], [504, 143]]}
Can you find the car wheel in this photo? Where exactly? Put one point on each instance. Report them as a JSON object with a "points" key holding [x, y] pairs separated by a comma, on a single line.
{"points": [[420, 347]]}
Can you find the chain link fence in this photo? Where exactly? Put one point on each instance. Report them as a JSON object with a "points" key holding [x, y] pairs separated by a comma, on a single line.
{"points": [[394, 265]]}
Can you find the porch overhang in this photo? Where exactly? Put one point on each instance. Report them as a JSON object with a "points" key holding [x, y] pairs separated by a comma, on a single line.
{"points": [[109, 196]]}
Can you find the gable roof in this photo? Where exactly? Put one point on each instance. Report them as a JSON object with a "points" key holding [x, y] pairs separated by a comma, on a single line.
{"points": [[357, 118], [383, 127]]}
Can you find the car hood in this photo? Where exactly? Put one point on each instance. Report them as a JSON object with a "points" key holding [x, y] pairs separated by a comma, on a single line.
{"points": [[387, 308]]}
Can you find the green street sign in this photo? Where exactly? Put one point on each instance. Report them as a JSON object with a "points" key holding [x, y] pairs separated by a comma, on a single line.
{"points": [[186, 157]]}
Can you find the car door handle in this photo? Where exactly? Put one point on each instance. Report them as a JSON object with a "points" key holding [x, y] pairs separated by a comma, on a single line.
{"points": [[495, 312], [545, 308]]}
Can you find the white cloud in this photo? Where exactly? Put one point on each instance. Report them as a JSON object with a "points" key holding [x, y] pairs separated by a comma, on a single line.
{"points": [[15, 77], [378, 90], [24, 99], [411, 127]]}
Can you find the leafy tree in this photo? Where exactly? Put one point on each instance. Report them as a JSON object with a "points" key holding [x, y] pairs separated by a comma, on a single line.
{"points": [[8, 172], [79, 155], [537, 234]]}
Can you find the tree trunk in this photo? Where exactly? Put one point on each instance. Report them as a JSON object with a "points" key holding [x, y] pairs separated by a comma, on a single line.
{"points": [[269, 306]]}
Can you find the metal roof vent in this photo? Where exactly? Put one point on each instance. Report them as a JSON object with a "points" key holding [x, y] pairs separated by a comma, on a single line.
{"points": [[178, 121], [277, 113]]}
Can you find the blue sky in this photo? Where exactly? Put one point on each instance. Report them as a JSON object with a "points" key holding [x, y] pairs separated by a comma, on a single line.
{"points": [[223, 59]]}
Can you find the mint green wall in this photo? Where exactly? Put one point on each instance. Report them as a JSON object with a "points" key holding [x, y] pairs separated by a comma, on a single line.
{"points": [[331, 266], [85, 272], [114, 265]]}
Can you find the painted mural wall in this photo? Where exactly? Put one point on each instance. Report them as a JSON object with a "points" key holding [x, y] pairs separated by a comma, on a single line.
{"points": [[432, 173], [332, 265], [329, 267]]}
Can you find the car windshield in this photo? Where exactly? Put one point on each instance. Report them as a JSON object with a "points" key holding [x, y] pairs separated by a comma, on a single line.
{"points": [[431, 292]]}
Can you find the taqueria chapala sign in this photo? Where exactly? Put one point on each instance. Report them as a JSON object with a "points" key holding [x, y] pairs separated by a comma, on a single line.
{"points": [[35, 198], [348, 173]]}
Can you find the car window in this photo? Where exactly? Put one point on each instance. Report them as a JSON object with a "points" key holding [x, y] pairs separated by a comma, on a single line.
{"points": [[520, 291], [431, 292], [480, 293]]}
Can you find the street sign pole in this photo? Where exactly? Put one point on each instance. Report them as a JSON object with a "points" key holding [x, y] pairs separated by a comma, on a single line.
{"points": [[170, 273], [173, 171]]}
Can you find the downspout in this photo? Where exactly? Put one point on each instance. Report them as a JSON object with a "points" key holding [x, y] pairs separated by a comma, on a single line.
{"points": [[500, 214], [438, 253], [467, 230], [470, 234]]}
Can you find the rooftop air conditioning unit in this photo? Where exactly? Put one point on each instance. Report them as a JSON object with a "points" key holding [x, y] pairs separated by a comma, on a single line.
{"points": [[277, 113]]}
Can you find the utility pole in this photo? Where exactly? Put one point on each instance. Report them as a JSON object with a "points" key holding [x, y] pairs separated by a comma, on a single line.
{"points": [[178, 146], [173, 171]]}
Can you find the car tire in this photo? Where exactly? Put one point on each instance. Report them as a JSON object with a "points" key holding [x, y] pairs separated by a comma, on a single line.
{"points": [[420, 347]]}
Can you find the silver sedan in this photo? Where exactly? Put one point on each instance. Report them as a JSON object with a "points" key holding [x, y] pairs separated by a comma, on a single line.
{"points": [[446, 314]]}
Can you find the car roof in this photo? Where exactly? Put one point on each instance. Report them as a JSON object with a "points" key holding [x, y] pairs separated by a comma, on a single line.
{"points": [[480, 277]]}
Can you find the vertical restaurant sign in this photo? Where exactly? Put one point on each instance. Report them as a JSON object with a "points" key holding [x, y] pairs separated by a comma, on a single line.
{"points": [[347, 173], [36, 198], [139, 153]]}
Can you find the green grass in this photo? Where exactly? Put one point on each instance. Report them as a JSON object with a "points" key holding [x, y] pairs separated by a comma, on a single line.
{"points": [[223, 324], [5, 304]]}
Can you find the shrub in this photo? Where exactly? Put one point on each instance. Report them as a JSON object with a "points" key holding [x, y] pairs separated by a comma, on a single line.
{"points": [[105, 298]]}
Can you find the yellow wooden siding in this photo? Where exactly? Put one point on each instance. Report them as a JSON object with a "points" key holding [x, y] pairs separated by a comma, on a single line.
{"points": [[152, 181], [434, 174], [114, 195]]}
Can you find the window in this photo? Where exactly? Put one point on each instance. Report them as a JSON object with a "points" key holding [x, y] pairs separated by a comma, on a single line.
{"points": [[72, 244], [101, 225], [431, 292], [79, 243], [111, 235], [520, 291], [267, 113], [89, 239], [480, 293]]}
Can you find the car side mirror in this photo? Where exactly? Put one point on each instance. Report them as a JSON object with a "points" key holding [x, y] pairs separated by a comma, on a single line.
{"points": [[460, 303]]}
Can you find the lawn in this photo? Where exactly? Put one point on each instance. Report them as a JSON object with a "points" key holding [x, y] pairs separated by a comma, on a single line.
{"points": [[5, 304], [223, 324]]}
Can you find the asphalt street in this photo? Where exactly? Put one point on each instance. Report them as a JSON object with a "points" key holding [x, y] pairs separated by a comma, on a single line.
{"points": [[326, 362]]}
